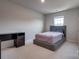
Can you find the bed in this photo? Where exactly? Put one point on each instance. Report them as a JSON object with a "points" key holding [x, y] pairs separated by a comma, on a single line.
{"points": [[53, 39]]}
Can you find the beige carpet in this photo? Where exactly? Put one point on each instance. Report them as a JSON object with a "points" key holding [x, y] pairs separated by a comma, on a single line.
{"points": [[66, 51]]}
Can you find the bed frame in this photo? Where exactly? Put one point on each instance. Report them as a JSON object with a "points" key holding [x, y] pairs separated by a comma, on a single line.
{"points": [[55, 46]]}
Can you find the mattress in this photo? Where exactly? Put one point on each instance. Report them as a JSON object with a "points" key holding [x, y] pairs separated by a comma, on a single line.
{"points": [[49, 37]]}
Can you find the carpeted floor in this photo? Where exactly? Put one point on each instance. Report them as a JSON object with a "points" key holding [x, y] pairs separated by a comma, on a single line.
{"points": [[66, 51]]}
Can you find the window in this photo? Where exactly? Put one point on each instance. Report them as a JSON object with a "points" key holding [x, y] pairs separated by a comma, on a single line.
{"points": [[59, 21]]}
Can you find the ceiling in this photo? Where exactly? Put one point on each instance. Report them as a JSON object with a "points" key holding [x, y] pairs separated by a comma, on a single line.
{"points": [[50, 6]]}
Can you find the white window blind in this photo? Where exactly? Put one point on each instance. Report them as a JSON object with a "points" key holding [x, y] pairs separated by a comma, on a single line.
{"points": [[59, 21]]}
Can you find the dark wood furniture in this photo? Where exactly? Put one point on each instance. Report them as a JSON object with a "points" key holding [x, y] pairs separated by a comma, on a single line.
{"points": [[19, 39], [55, 46], [0, 49]]}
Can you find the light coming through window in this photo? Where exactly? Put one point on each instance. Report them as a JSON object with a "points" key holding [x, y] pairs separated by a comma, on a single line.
{"points": [[59, 21]]}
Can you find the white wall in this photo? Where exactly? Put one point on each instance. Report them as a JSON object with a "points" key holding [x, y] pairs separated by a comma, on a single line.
{"points": [[71, 21], [16, 18]]}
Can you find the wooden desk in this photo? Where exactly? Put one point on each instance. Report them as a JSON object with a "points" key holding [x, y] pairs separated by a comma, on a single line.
{"points": [[19, 39]]}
